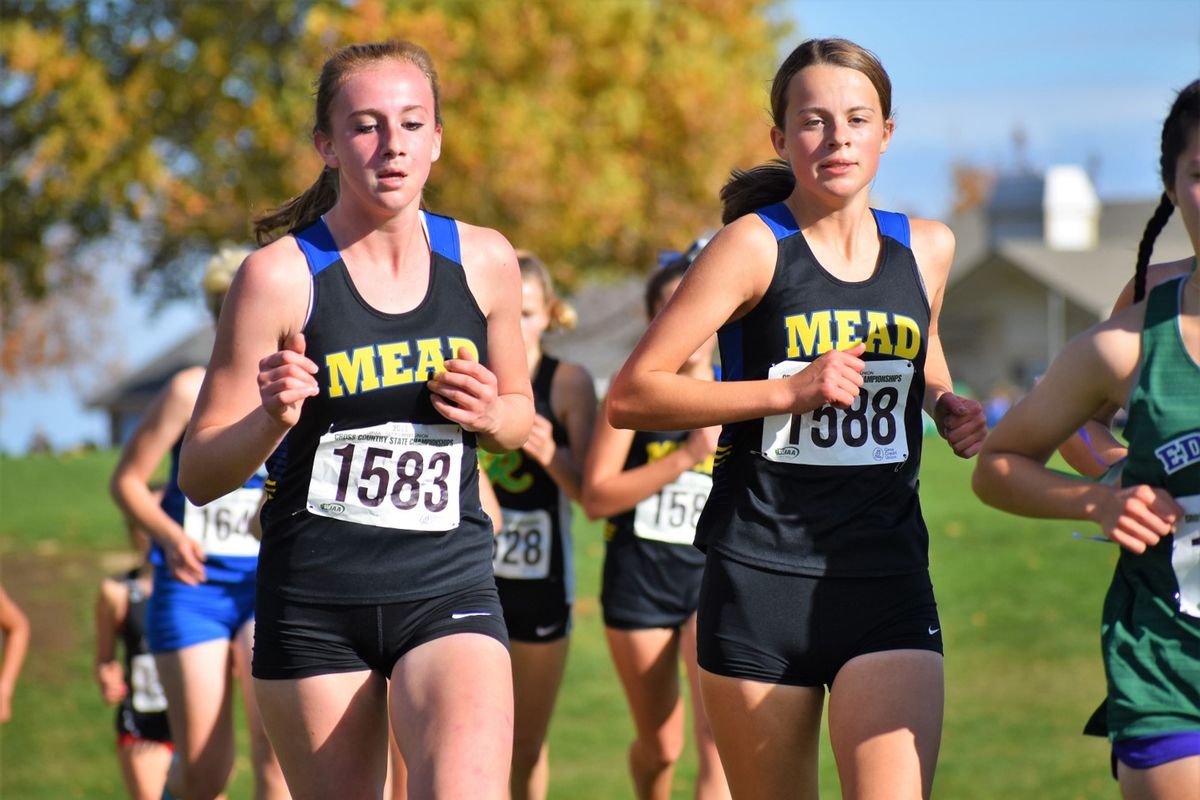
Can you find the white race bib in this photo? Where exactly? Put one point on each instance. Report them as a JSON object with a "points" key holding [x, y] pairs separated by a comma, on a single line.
{"points": [[1185, 555], [222, 527], [671, 514], [869, 432], [521, 549], [146, 693], [399, 475]]}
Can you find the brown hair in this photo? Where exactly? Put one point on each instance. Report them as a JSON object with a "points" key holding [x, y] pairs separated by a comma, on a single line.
{"points": [[747, 190], [561, 314], [1182, 121], [304, 209]]}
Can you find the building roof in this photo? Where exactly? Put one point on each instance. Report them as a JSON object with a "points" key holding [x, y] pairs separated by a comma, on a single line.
{"points": [[136, 389], [612, 317], [1091, 278]]}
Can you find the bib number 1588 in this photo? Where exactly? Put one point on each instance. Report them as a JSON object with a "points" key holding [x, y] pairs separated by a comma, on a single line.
{"points": [[871, 431]]}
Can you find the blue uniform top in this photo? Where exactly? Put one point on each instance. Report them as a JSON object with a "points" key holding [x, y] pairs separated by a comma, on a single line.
{"points": [[222, 527]]}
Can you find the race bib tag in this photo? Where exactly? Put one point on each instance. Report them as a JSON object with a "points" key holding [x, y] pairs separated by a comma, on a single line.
{"points": [[1185, 555], [869, 432], [146, 693], [222, 527], [521, 549], [399, 475], [671, 515]]}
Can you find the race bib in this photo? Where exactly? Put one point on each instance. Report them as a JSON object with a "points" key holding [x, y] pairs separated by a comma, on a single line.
{"points": [[869, 432], [671, 515], [399, 475], [146, 693], [222, 527], [521, 549], [1185, 555]]}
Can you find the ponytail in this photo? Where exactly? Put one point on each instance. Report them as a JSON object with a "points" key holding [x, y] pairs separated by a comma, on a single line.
{"points": [[1154, 227], [299, 212], [749, 190]]}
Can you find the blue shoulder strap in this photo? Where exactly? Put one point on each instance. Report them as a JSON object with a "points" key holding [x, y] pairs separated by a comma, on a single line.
{"points": [[443, 236], [894, 225], [316, 242], [779, 219]]}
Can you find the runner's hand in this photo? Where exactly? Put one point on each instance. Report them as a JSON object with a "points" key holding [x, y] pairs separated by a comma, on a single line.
{"points": [[961, 422], [111, 679], [285, 379], [185, 559], [540, 446], [832, 379], [1137, 517], [466, 393]]}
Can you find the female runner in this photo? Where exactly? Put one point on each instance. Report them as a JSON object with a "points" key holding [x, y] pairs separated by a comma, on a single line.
{"points": [[1147, 358], [200, 616], [652, 486], [368, 352], [535, 570], [817, 570]]}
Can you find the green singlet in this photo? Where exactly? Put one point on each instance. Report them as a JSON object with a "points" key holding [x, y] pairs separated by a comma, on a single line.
{"points": [[1150, 631]]}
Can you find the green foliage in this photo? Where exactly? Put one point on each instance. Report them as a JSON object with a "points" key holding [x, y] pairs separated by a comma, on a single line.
{"points": [[594, 133], [1019, 603]]}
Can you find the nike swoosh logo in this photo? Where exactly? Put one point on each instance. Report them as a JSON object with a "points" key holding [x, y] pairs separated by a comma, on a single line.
{"points": [[465, 614], [546, 631], [933, 630]]}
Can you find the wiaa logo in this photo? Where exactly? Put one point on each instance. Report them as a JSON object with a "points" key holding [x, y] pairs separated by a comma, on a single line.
{"points": [[333, 508], [787, 452]]}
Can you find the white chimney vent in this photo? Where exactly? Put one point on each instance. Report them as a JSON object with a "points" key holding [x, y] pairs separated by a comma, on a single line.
{"points": [[1071, 209]]}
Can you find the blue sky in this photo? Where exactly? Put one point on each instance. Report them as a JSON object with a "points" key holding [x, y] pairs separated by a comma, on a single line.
{"points": [[1087, 81]]}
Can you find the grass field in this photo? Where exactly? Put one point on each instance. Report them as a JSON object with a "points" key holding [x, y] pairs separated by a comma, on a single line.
{"points": [[1019, 600]]}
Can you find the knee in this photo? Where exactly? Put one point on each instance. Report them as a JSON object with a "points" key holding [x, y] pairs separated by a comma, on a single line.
{"points": [[661, 750]]}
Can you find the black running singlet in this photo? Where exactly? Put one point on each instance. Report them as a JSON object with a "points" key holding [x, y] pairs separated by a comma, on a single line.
{"points": [[829, 492], [535, 542], [142, 713], [375, 495]]}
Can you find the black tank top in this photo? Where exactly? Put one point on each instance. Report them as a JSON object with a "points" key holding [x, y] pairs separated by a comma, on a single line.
{"points": [[374, 494], [662, 527], [133, 632], [829, 492], [523, 486], [143, 709], [520, 482]]}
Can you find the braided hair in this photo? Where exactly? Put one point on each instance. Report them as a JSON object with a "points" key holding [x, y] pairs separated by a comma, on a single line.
{"points": [[1182, 121]]}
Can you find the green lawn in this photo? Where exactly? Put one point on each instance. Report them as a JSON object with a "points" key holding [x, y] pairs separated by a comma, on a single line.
{"points": [[1020, 604]]}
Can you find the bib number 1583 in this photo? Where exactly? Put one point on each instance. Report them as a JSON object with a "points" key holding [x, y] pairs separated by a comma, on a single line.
{"points": [[396, 475]]}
